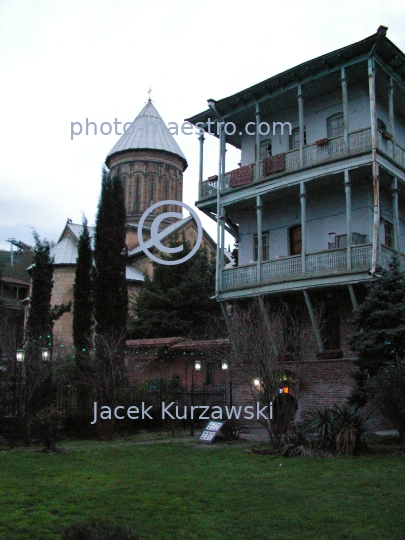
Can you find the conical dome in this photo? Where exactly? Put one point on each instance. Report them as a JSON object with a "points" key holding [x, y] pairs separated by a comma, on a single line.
{"points": [[148, 132]]}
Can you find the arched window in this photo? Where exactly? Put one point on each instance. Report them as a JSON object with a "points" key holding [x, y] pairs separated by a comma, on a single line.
{"points": [[335, 125], [152, 189], [137, 192]]}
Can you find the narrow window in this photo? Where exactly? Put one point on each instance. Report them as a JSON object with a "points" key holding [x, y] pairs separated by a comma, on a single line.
{"points": [[388, 234], [265, 149], [265, 246], [295, 138], [295, 239], [335, 125], [209, 373]]}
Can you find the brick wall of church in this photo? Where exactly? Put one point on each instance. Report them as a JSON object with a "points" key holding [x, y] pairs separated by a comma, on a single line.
{"points": [[62, 293]]}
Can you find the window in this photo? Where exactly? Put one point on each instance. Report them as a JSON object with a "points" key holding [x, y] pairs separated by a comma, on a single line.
{"points": [[295, 138], [388, 234], [295, 239], [330, 329], [265, 149], [265, 246], [335, 125], [137, 188], [152, 188]]}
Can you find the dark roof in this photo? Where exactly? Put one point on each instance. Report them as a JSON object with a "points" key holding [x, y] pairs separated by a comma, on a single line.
{"points": [[13, 281], [378, 44], [154, 342]]}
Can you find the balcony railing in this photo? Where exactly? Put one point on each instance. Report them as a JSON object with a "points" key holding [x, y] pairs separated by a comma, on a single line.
{"points": [[287, 267], [313, 154]]}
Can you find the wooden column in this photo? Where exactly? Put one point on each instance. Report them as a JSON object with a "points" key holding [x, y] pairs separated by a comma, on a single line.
{"points": [[259, 211], [344, 105], [395, 214], [201, 138], [375, 259], [348, 191], [257, 175], [301, 125], [314, 322], [392, 117], [303, 199]]}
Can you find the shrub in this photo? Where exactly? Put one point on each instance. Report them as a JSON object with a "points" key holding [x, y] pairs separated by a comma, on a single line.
{"points": [[98, 530], [341, 429], [47, 426], [232, 430]]}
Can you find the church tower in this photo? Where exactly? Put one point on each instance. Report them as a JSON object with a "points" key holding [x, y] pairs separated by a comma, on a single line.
{"points": [[151, 164]]}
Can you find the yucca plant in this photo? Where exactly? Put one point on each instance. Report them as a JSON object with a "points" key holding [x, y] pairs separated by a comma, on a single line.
{"points": [[298, 442], [352, 428], [321, 422]]}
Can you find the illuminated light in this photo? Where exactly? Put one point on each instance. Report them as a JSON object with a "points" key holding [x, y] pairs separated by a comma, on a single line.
{"points": [[256, 382], [45, 353], [284, 390], [197, 365], [20, 355], [224, 364]]}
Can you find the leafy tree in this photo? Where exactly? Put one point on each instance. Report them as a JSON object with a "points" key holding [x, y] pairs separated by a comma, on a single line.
{"points": [[380, 321], [110, 259], [177, 300]]}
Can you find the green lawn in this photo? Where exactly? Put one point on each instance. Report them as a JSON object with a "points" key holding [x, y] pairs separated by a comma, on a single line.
{"points": [[185, 491]]}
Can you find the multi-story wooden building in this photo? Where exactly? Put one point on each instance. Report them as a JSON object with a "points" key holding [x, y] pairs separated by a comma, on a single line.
{"points": [[318, 201]]}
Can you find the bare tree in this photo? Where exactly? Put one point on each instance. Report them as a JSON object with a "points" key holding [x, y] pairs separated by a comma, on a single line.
{"points": [[270, 347]]}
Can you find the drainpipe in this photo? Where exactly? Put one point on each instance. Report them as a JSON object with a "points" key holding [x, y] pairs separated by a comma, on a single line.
{"points": [[259, 210], [376, 186], [392, 117]]}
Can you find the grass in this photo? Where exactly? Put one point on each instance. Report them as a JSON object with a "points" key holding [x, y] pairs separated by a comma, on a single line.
{"points": [[180, 490]]}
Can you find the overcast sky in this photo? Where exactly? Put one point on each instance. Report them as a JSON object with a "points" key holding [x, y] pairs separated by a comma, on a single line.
{"points": [[63, 61]]}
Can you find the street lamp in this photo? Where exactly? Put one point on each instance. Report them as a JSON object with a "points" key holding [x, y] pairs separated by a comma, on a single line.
{"points": [[196, 367], [225, 366]]}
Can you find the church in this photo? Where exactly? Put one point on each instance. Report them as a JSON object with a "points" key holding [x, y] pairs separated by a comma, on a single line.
{"points": [[152, 165]]}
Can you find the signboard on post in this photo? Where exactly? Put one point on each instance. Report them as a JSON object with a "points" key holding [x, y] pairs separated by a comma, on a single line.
{"points": [[210, 431]]}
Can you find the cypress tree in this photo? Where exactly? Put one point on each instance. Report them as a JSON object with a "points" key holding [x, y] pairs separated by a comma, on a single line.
{"points": [[82, 294], [110, 260], [40, 314]]}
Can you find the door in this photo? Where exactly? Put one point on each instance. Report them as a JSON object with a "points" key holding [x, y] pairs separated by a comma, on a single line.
{"points": [[295, 240]]}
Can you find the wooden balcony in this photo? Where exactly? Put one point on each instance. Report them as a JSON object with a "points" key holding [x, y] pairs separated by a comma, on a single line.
{"points": [[320, 263], [314, 154]]}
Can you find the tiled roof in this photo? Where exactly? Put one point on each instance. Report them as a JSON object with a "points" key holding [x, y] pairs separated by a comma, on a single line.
{"points": [[205, 344], [154, 342], [148, 131], [13, 281]]}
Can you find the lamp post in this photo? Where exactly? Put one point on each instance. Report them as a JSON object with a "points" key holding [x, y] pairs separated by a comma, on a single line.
{"points": [[225, 366], [47, 350], [20, 340], [197, 367]]}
